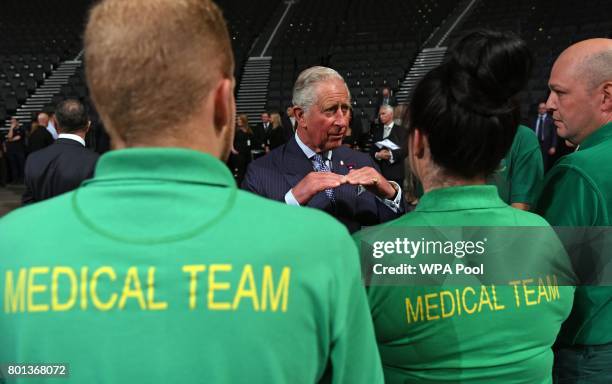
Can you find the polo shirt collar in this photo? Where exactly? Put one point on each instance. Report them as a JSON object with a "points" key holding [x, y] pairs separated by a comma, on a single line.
{"points": [[600, 135], [460, 198], [170, 164]]}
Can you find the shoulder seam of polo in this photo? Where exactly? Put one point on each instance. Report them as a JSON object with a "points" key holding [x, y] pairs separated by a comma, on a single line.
{"points": [[592, 185]]}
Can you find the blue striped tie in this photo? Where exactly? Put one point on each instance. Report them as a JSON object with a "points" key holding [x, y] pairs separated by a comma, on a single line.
{"points": [[321, 166]]}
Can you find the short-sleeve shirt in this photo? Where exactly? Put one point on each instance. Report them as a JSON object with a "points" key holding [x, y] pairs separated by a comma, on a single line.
{"points": [[421, 342], [521, 172], [159, 270], [578, 192]]}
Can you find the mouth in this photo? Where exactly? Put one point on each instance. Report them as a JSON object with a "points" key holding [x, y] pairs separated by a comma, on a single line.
{"points": [[557, 122], [337, 135]]}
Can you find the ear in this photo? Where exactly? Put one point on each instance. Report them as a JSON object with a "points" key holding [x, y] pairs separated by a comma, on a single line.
{"points": [[419, 142], [299, 115], [606, 104], [224, 106]]}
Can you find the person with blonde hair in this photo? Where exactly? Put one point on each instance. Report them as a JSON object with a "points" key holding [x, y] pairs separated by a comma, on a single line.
{"points": [[277, 135], [243, 144], [155, 270]]}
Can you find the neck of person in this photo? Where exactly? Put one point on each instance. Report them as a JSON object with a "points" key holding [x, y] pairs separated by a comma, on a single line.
{"points": [[434, 177], [80, 134], [314, 148]]}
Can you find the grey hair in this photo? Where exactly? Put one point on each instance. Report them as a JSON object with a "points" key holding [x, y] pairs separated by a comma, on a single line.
{"points": [[387, 107], [304, 88]]}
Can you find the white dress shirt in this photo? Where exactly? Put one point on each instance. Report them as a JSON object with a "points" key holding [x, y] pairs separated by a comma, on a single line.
{"points": [[51, 128], [71, 137]]}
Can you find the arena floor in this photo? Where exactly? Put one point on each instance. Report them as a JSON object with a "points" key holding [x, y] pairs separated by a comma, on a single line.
{"points": [[10, 198]]}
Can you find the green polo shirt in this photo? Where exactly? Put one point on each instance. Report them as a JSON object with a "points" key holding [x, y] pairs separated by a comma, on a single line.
{"points": [[499, 340], [521, 172], [160, 270], [578, 192]]}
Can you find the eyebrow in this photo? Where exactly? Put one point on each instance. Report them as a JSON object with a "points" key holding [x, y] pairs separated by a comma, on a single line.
{"points": [[335, 105], [556, 87]]}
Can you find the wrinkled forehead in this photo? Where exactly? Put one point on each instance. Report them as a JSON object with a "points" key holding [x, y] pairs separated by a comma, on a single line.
{"points": [[332, 92]]}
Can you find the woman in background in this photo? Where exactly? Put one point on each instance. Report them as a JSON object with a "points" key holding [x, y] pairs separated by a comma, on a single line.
{"points": [[241, 152], [277, 136], [15, 150]]}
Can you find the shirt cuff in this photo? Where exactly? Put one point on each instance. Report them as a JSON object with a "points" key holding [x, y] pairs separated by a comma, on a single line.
{"points": [[391, 161], [394, 204], [290, 199]]}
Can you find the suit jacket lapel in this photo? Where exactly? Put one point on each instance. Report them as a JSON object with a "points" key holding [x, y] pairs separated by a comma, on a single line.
{"points": [[294, 164]]}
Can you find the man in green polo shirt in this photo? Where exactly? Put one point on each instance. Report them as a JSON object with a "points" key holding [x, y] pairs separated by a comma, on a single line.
{"points": [[521, 172], [578, 192], [158, 269]]}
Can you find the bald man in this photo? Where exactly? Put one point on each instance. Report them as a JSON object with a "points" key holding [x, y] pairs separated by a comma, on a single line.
{"points": [[41, 137], [578, 192]]}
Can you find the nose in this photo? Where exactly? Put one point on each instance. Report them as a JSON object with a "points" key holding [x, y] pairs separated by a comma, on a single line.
{"points": [[551, 102], [341, 118]]}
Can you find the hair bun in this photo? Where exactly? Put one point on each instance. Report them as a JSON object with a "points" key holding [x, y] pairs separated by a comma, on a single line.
{"points": [[486, 69]]}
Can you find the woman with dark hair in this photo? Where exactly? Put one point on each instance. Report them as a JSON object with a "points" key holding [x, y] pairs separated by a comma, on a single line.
{"points": [[462, 123]]}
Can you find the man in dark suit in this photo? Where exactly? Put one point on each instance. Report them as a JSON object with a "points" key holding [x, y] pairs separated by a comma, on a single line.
{"points": [[546, 132], [41, 137], [313, 169], [262, 132], [389, 159], [385, 97], [289, 123], [61, 167]]}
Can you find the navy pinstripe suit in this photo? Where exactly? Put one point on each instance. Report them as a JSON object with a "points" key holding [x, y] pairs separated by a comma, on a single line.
{"points": [[273, 175]]}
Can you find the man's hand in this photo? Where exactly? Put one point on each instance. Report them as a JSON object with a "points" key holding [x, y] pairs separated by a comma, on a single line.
{"points": [[371, 180], [314, 183], [383, 154], [552, 151]]}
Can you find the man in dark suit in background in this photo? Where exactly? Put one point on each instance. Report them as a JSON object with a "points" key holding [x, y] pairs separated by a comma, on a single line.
{"points": [[289, 123], [41, 137], [61, 167], [386, 97], [390, 160], [546, 132], [313, 169], [262, 132]]}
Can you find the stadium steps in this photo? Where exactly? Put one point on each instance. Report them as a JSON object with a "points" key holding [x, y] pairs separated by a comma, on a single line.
{"points": [[253, 89], [461, 12], [44, 94], [427, 59]]}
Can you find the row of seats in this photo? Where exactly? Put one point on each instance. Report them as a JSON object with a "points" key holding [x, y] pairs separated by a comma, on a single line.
{"points": [[548, 27], [20, 75], [37, 35], [371, 45]]}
